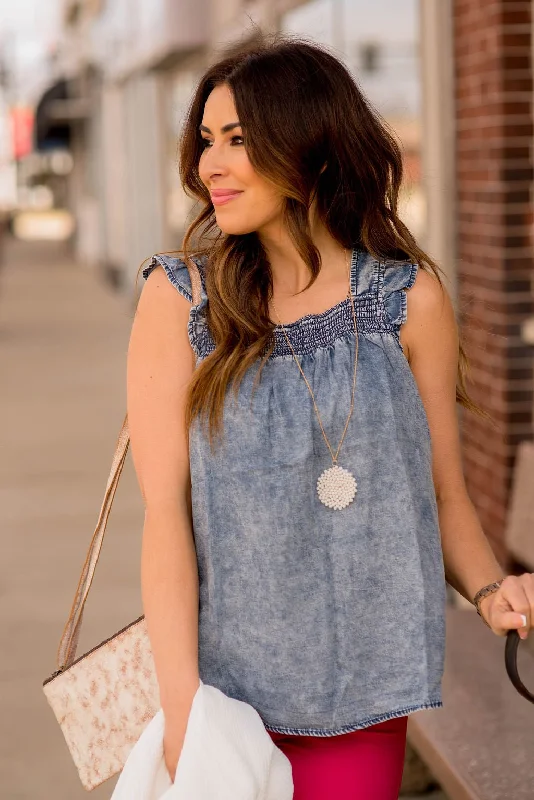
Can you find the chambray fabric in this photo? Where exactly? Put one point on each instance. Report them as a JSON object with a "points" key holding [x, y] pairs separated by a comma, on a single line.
{"points": [[325, 621]]}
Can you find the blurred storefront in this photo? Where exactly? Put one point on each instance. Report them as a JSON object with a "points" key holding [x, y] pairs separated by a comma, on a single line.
{"points": [[129, 67], [121, 61]]}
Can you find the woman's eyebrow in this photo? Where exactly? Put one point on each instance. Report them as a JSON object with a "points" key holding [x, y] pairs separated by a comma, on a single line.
{"points": [[224, 129]]}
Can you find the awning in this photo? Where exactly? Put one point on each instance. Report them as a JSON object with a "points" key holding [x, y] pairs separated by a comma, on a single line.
{"points": [[56, 111]]}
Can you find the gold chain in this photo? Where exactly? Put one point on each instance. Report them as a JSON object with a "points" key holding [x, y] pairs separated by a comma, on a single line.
{"points": [[334, 457]]}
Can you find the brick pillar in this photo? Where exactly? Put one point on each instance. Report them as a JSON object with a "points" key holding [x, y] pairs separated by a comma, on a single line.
{"points": [[493, 93]]}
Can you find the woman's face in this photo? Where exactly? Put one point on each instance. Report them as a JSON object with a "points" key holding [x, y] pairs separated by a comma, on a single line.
{"points": [[243, 200]]}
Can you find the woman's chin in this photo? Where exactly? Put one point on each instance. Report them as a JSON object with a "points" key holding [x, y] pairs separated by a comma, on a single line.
{"points": [[234, 227]]}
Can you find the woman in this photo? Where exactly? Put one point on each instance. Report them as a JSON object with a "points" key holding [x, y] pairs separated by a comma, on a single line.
{"points": [[294, 432]]}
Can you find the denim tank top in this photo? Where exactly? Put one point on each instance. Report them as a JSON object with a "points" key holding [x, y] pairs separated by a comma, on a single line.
{"points": [[325, 621]]}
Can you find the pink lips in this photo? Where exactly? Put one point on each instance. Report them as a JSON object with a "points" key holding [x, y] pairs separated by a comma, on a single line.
{"points": [[221, 196]]}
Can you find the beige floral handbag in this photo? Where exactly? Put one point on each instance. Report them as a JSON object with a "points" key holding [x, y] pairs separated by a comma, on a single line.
{"points": [[105, 698]]}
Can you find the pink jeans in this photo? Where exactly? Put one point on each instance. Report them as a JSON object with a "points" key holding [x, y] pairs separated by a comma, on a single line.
{"points": [[363, 765]]}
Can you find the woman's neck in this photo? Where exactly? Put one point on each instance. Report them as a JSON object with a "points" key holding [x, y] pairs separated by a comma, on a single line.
{"points": [[290, 273]]}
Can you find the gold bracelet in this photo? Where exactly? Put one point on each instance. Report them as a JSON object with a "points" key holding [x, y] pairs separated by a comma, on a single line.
{"points": [[484, 592]]}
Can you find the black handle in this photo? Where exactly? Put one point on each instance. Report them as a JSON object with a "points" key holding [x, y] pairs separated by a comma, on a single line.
{"points": [[510, 660]]}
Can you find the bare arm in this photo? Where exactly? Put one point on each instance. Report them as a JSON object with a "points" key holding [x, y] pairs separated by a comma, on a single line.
{"points": [[159, 366], [430, 340]]}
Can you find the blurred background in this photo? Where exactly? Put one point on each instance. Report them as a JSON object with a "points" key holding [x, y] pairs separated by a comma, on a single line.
{"points": [[92, 96]]}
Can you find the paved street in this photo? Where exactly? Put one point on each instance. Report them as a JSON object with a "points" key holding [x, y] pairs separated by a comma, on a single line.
{"points": [[63, 342]]}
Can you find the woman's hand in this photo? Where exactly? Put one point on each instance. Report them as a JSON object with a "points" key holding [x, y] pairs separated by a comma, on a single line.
{"points": [[511, 606]]}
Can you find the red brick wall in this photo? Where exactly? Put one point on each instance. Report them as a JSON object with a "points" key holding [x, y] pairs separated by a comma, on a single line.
{"points": [[493, 88]]}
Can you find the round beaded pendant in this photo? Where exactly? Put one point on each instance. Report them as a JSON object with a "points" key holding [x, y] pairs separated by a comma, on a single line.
{"points": [[336, 487]]}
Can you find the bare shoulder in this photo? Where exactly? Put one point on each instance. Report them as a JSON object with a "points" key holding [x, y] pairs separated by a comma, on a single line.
{"points": [[430, 319], [162, 311]]}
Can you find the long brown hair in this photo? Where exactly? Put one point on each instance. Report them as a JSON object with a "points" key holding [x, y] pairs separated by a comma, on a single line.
{"points": [[302, 110]]}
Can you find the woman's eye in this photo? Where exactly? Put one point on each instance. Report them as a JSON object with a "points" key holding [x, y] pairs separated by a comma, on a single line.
{"points": [[235, 140]]}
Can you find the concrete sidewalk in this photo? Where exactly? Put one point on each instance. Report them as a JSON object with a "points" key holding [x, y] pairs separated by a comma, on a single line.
{"points": [[63, 343]]}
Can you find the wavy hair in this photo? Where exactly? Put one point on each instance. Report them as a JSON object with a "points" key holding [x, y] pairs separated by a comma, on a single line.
{"points": [[302, 110]]}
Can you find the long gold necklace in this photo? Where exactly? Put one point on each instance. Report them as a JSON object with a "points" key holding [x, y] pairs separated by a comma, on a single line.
{"points": [[336, 486]]}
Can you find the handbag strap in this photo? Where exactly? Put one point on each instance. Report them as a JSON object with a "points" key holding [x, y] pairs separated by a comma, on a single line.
{"points": [[71, 632], [510, 660]]}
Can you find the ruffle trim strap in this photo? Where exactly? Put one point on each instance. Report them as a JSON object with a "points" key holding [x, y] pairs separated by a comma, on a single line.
{"points": [[396, 279]]}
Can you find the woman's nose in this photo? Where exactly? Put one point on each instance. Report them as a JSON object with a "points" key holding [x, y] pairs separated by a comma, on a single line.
{"points": [[213, 164]]}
